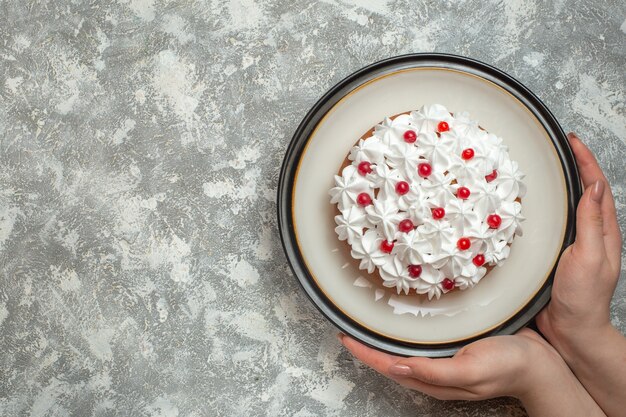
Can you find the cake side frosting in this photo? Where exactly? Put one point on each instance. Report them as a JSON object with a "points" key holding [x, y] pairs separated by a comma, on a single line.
{"points": [[430, 200]]}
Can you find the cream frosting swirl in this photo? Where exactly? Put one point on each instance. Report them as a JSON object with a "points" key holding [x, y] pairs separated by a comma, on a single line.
{"points": [[347, 188], [350, 224], [385, 215], [367, 249]]}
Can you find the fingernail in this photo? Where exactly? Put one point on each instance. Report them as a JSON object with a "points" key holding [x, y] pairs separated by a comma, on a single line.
{"points": [[597, 191], [400, 370], [572, 135], [340, 337]]}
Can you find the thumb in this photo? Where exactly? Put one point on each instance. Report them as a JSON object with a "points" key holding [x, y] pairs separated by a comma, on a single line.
{"points": [[589, 222]]}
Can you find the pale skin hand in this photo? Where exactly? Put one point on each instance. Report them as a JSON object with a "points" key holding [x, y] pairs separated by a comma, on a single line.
{"points": [[576, 322], [523, 366]]}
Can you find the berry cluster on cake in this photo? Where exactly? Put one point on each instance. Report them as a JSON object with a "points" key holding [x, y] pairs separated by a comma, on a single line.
{"points": [[429, 200]]}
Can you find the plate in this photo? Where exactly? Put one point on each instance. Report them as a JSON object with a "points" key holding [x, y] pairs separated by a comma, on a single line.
{"points": [[511, 295]]}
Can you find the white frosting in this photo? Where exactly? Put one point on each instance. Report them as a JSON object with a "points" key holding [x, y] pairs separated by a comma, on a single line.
{"points": [[350, 224], [432, 243], [385, 216], [412, 247], [438, 188], [484, 197], [347, 187], [395, 274], [454, 262], [464, 282], [438, 150], [511, 214], [465, 127], [438, 232], [404, 157], [367, 249], [427, 118], [463, 217], [430, 282], [509, 181], [385, 179], [371, 150]]}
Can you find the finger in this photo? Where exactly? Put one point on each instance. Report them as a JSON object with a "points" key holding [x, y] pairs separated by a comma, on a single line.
{"points": [[590, 172], [377, 360], [588, 166], [449, 372], [590, 224]]}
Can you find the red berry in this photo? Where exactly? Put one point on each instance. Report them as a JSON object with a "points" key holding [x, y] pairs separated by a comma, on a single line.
{"points": [[415, 271], [406, 226], [448, 284], [402, 187], [363, 199], [410, 136], [438, 213], [494, 221], [479, 259], [463, 193], [443, 127], [386, 246], [424, 169], [463, 243], [492, 176], [467, 154], [364, 168]]}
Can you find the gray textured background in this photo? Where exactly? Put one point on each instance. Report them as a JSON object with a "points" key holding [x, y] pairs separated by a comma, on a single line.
{"points": [[140, 144]]}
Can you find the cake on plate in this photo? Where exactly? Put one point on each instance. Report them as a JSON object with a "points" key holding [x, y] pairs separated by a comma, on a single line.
{"points": [[428, 201]]}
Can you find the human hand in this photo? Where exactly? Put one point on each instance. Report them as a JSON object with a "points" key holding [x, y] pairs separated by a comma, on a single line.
{"points": [[588, 270], [524, 366], [576, 321]]}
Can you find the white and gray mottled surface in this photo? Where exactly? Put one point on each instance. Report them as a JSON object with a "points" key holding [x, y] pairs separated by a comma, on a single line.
{"points": [[140, 141]]}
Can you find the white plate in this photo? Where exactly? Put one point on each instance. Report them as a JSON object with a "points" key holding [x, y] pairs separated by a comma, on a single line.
{"points": [[511, 293]]}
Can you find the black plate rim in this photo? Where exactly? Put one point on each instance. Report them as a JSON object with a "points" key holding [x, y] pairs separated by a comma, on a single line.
{"points": [[301, 137]]}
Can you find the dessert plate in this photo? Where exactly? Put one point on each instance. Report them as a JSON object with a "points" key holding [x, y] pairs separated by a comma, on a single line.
{"points": [[511, 295]]}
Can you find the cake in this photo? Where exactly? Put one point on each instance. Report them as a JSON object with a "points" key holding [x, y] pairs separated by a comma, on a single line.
{"points": [[428, 202]]}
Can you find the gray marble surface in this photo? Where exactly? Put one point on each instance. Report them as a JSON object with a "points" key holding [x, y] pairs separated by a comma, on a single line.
{"points": [[140, 142]]}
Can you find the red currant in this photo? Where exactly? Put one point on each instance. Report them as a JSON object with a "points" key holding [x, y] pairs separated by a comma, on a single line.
{"points": [[492, 176], [463, 243], [405, 226], [448, 284], [415, 271], [386, 246], [363, 199], [443, 127], [494, 221], [467, 153], [402, 187], [479, 259], [424, 169], [364, 168], [463, 193], [438, 213], [410, 136]]}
